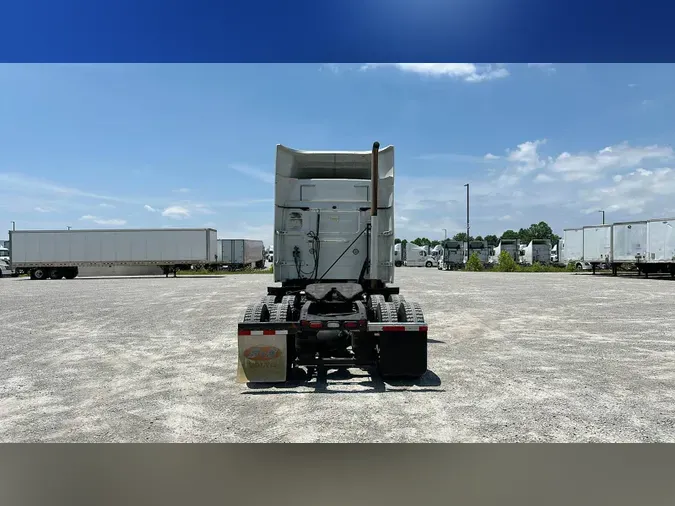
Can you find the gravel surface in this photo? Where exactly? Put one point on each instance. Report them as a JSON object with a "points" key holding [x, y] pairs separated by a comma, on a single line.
{"points": [[512, 357]]}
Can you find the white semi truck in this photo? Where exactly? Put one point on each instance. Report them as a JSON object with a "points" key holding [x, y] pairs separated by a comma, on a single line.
{"points": [[57, 254], [452, 256], [335, 306], [418, 256], [536, 251]]}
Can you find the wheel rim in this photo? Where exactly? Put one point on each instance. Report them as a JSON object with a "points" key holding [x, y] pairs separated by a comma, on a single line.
{"points": [[39, 274]]}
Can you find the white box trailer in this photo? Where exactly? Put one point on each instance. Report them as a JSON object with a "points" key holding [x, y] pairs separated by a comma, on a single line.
{"points": [[241, 253], [59, 253], [537, 251], [597, 245], [571, 251], [629, 242], [660, 247]]}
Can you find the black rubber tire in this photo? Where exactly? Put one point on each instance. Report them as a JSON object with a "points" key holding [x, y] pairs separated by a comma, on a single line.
{"points": [[279, 312], [396, 300], [256, 313], [268, 299], [56, 274], [429, 264], [579, 267], [410, 312], [386, 312], [38, 274]]}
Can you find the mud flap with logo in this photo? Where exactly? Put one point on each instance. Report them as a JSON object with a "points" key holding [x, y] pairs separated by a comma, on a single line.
{"points": [[262, 358]]}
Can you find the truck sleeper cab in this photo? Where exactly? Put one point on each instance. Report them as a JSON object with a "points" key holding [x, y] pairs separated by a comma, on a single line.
{"points": [[334, 258]]}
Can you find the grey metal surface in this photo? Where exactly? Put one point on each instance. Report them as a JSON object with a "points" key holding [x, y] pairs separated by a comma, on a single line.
{"points": [[154, 359]]}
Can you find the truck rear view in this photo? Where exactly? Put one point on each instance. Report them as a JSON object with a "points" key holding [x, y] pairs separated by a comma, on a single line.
{"points": [[334, 260]]}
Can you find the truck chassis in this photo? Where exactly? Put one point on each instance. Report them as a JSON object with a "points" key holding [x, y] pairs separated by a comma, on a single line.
{"points": [[339, 325]]}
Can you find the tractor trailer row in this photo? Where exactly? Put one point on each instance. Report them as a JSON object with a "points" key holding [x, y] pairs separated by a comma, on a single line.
{"points": [[57, 254], [648, 244]]}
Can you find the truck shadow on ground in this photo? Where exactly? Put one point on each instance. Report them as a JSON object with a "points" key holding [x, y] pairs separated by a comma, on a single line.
{"points": [[335, 381]]}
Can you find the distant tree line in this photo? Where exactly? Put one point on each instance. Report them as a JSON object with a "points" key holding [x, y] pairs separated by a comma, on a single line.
{"points": [[540, 230]]}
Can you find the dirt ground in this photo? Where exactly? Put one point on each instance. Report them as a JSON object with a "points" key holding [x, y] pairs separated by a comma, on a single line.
{"points": [[512, 357]]}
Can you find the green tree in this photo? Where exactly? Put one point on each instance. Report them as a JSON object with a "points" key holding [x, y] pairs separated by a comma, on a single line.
{"points": [[474, 263], [479, 238], [422, 241], [461, 236], [434, 243], [506, 263], [492, 240], [397, 240], [509, 234]]}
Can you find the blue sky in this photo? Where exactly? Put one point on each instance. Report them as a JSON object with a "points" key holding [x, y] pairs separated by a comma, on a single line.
{"points": [[95, 146]]}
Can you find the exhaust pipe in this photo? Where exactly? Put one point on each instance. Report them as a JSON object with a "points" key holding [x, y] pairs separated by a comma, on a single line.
{"points": [[374, 230]]}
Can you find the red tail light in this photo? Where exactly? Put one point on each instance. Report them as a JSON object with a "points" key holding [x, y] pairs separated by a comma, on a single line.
{"points": [[351, 325], [315, 325]]}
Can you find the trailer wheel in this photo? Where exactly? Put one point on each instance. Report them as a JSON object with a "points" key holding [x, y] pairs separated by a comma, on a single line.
{"points": [[38, 274], [579, 267], [429, 264], [56, 274], [71, 273]]}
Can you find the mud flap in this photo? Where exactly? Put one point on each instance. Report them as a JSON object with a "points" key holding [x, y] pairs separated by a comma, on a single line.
{"points": [[262, 358]]}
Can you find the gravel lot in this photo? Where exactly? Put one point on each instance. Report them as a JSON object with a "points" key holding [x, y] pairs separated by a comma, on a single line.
{"points": [[512, 357]]}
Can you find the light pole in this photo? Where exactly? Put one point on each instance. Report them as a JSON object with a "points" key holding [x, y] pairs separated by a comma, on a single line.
{"points": [[467, 214], [13, 225], [445, 232], [603, 216], [68, 228]]}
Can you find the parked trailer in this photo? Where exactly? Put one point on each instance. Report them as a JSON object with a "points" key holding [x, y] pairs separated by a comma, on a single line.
{"points": [[629, 244], [452, 255], [57, 254], [597, 245], [537, 251], [660, 247], [239, 254], [335, 307], [572, 249]]}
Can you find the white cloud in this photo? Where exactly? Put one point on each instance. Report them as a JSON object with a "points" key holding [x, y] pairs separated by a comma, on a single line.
{"points": [[176, 212], [632, 85], [102, 221], [106, 206], [634, 193], [265, 177], [526, 158], [586, 167], [490, 156], [506, 217], [149, 208], [543, 178], [182, 190], [43, 209], [468, 72]]}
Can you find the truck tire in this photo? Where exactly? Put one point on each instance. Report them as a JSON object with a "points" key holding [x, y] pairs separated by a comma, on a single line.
{"points": [[56, 274], [429, 264], [410, 312], [396, 300], [373, 302], [292, 302], [386, 312], [280, 312], [257, 313], [269, 300], [38, 274], [71, 273], [402, 355]]}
